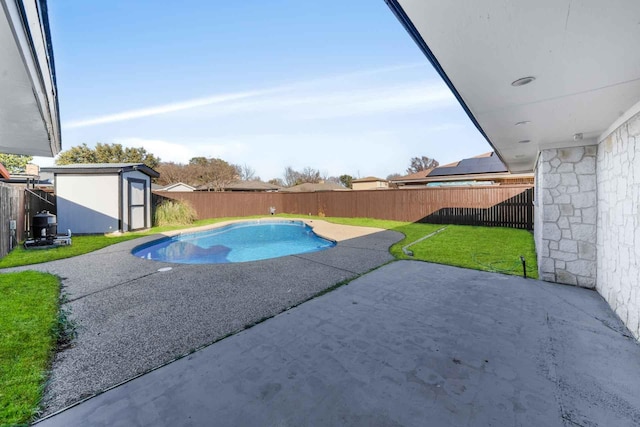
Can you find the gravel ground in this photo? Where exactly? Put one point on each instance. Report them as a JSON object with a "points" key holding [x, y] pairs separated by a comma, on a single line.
{"points": [[132, 318]]}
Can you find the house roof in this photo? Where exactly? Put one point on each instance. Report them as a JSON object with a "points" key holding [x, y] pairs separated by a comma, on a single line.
{"points": [[170, 186], [583, 57], [484, 166], [98, 168], [416, 175], [308, 187], [369, 179], [251, 186], [243, 186], [474, 165]]}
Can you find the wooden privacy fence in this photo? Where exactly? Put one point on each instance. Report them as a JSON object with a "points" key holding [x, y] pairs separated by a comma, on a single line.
{"points": [[11, 209], [19, 203], [504, 206]]}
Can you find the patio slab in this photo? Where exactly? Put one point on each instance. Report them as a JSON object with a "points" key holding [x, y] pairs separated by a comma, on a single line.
{"points": [[133, 318], [410, 343]]}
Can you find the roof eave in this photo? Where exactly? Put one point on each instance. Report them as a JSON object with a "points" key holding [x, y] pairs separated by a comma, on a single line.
{"points": [[404, 19]]}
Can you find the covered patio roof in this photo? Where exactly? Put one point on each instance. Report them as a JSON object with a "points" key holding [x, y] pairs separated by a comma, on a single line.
{"points": [[582, 56], [29, 121]]}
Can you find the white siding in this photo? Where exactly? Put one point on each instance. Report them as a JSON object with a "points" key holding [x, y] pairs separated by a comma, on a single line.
{"points": [[87, 203]]}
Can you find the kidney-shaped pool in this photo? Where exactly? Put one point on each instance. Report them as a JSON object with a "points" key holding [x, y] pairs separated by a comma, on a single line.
{"points": [[238, 242]]}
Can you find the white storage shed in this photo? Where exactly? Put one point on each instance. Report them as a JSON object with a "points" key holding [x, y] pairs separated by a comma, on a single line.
{"points": [[103, 197]]}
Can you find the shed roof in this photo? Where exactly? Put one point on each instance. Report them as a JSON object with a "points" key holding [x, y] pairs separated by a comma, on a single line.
{"points": [[98, 168]]}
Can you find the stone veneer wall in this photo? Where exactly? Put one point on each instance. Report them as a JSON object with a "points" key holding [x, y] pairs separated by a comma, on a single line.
{"points": [[566, 215], [618, 225]]}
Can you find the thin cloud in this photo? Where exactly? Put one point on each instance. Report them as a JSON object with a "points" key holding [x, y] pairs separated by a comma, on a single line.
{"points": [[225, 99], [330, 103], [166, 108]]}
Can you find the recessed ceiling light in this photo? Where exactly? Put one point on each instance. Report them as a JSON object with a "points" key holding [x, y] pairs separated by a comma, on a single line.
{"points": [[519, 156], [523, 81], [524, 122], [524, 141], [577, 136]]}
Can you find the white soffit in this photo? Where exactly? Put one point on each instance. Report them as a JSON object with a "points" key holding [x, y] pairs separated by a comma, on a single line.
{"points": [[583, 54], [28, 111]]}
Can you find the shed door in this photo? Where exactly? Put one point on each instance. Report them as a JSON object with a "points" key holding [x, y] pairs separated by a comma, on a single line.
{"points": [[137, 204]]}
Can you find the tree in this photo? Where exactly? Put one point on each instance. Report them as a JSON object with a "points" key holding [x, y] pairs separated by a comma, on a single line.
{"points": [[393, 176], [171, 173], [276, 181], [293, 177], [290, 177], [214, 173], [247, 173], [107, 153], [15, 163], [346, 180], [421, 164]]}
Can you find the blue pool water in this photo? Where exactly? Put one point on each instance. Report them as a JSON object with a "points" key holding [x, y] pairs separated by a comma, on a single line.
{"points": [[239, 242]]}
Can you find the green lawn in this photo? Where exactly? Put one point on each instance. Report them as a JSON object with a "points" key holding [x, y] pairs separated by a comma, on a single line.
{"points": [[29, 304], [481, 248]]}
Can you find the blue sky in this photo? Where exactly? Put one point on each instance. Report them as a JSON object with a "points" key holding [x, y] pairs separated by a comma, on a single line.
{"points": [[338, 86]]}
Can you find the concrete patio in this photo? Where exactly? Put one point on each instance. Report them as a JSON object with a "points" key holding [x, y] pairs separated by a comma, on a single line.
{"points": [[133, 318], [411, 343]]}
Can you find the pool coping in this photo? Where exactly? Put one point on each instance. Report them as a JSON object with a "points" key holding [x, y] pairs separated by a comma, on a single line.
{"points": [[325, 229]]}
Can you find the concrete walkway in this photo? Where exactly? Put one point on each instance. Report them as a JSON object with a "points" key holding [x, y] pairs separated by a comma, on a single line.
{"points": [[409, 344], [133, 318]]}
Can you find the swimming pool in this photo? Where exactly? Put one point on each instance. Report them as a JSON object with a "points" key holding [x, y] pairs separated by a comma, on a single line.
{"points": [[238, 242]]}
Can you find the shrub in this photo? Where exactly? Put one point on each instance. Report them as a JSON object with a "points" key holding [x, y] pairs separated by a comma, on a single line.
{"points": [[174, 212]]}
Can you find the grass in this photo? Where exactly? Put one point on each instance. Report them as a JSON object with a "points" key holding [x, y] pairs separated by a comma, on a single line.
{"points": [[481, 248], [494, 249], [175, 213], [29, 330]]}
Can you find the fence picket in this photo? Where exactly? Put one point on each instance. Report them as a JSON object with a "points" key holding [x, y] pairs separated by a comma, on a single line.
{"points": [[504, 206]]}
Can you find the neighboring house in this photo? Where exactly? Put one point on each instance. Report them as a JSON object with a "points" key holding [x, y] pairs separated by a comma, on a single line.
{"points": [[31, 177], [369, 183], [104, 197], [554, 87], [29, 120], [255, 186], [485, 169], [178, 186], [251, 186], [308, 187]]}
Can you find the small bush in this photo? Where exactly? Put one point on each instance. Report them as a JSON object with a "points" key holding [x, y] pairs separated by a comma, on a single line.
{"points": [[174, 212]]}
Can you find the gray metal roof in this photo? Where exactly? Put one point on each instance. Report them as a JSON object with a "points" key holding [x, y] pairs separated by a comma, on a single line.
{"points": [[96, 168]]}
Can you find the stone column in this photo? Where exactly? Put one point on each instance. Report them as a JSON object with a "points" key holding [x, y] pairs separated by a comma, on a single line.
{"points": [[566, 215]]}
